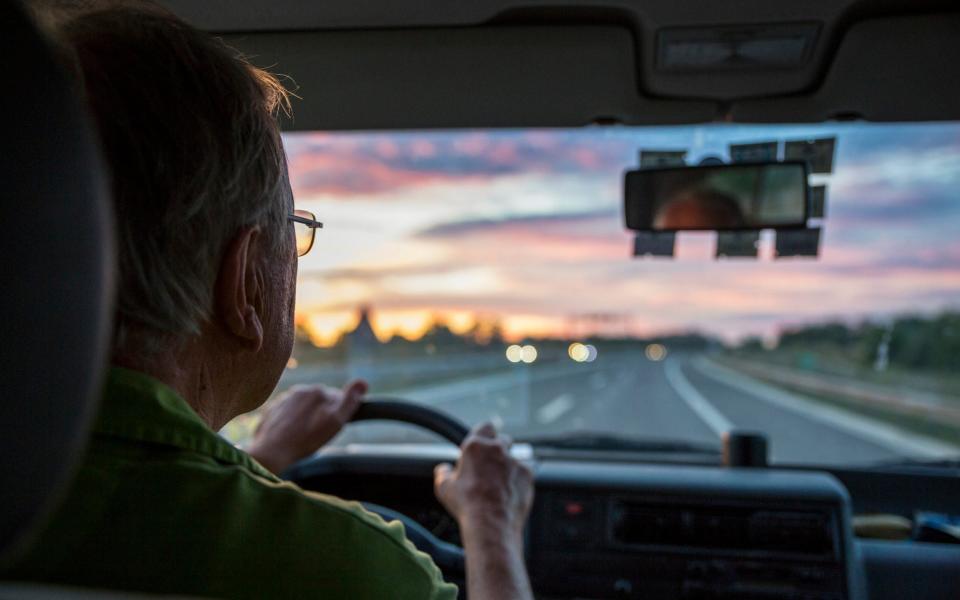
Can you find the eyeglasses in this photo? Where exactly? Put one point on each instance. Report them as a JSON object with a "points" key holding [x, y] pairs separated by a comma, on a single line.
{"points": [[305, 225]]}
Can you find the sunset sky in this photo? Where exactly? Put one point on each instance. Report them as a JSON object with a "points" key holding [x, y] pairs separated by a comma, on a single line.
{"points": [[526, 227]]}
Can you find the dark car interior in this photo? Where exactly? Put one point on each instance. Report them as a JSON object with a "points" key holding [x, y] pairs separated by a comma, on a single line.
{"points": [[604, 524]]}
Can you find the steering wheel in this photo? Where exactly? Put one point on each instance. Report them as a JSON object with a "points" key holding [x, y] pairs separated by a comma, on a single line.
{"points": [[391, 409], [448, 557]]}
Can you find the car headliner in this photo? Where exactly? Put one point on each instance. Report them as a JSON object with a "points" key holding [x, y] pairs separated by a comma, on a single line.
{"points": [[382, 64]]}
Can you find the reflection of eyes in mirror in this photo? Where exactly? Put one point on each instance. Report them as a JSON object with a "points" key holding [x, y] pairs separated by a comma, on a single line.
{"points": [[693, 208]]}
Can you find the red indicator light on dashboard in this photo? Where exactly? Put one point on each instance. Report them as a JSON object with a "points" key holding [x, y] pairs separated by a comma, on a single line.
{"points": [[573, 509]]}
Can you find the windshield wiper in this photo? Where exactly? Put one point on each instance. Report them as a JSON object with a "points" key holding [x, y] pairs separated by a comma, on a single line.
{"points": [[588, 440], [936, 463]]}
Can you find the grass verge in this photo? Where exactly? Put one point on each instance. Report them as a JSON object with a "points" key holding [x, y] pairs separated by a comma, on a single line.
{"points": [[909, 422]]}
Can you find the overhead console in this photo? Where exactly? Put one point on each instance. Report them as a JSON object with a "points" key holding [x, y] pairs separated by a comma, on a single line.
{"points": [[902, 59], [628, 531]]}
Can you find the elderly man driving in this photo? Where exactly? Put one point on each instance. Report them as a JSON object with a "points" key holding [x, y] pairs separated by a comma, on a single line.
{"points": [[204, 326]]}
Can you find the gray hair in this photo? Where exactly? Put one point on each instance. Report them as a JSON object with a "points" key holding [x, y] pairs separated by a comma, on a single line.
{"points": [[189, 129]]}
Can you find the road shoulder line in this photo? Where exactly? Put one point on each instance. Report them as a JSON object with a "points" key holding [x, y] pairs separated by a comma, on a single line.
{"points": [[707, 412], [861, 426], [556, 408]]}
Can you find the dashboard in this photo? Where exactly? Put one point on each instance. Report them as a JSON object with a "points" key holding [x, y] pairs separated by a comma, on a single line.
{"points": [[655, 531], [607, 529]]}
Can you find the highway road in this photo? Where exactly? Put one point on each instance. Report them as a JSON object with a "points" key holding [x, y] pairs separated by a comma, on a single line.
{"points": [[685, 397]]}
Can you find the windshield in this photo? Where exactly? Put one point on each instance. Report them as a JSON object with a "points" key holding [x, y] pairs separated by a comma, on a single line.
{"points": [[489, 274]]}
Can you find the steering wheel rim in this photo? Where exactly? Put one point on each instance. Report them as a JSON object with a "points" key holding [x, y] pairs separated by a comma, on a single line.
{"points": [[448, 557], [392, 409]]}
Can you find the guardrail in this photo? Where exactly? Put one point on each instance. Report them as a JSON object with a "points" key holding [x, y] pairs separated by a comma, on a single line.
{"points": [[904, 402]]}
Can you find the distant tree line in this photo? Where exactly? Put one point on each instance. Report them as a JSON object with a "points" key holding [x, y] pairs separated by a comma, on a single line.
{"points": [[483, 337], [908, 341]]}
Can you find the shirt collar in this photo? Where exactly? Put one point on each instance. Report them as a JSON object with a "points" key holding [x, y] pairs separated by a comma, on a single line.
{"points": [[138, 407]]}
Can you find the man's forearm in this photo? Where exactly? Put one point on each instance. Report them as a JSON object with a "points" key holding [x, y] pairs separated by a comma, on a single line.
{"points": [[271, 461], [495, 565]]}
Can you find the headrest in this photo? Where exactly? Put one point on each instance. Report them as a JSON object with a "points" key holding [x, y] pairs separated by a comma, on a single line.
{"points": [[56, 261]]}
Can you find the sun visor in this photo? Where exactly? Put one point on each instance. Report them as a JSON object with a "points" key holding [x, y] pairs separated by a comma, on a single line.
{"points": [[493, 76]]}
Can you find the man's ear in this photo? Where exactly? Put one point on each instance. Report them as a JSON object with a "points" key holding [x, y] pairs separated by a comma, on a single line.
{"points": [[237, 297]]}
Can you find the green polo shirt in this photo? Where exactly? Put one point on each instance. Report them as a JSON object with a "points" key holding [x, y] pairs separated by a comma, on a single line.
{"points": [[163, 504]]}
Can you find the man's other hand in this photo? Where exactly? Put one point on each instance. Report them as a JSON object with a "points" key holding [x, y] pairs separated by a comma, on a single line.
{"points": [[303, 420], [487, 482], [490, 494]]}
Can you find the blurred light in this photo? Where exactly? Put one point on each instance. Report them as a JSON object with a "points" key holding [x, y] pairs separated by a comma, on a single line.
{"points": [[528, 354], [656, 352], [292, 363], [514, 353], [591, 353], [578, 352]]}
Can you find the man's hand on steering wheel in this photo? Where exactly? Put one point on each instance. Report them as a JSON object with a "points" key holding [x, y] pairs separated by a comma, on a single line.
{"points": [[490, 494], [303, 420]]}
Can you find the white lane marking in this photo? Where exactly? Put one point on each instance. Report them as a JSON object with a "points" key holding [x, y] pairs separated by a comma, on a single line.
{"points": [[695, 400], [556, 408], [861, 426]]}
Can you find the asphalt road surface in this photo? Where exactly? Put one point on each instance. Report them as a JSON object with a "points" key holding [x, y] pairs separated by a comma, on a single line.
{"points": [[685, 397]]}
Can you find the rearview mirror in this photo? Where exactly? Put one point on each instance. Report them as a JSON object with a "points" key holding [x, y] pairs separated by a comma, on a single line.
{"points": [[721, 197]]}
